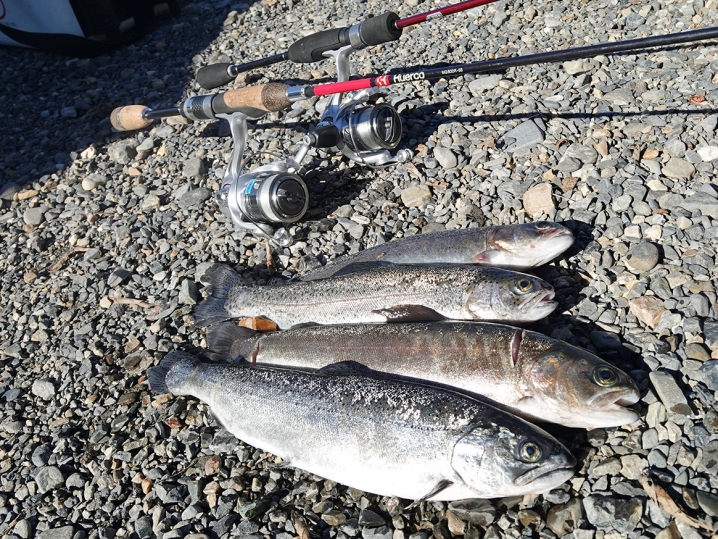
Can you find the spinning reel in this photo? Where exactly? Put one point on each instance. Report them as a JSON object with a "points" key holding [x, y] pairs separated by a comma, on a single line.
{"points": [[275, 194]]}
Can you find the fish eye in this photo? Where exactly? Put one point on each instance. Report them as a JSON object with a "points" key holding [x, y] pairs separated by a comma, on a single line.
{"points": [[542, 225], [529, 452], [524, 285], [605, 376]]}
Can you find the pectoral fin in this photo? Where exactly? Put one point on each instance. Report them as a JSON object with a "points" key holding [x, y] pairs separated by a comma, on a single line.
{"points": [[409, 313], [441, 485], [344, 368]]}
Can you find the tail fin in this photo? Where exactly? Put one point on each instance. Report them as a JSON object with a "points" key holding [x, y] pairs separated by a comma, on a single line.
{"points": [[173, 370], [213, 309], [224, 341]]}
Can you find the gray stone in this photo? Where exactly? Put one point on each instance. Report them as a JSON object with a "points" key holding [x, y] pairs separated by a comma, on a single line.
{"points": [[568, 164], [686, 531], [122, 152], [49, 478], [708, 502], [43, 388], [523, 136], [642, 257], [483, 83], [678, 168], [23, 529], [670, 394], [68, 112], [194, 197], [576, 67], [194, 168], [676, 147], [563, 519], [369, 518], [9, 190], [709, 460], [117, 277], [606, 512], [609, 466], [415, 196], [254, 509], [620, 97], [34, 216], [188, 294], [445, 157], [381, 532], [709, 374], [146, 145], [150, 203], [702, 202], [143, 527], [708, 153], [479, 512], [63, 532], [334, 517], [41, 455]]}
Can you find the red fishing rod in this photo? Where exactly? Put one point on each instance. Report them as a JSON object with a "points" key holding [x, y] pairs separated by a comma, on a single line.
{"points": [[373, 31]]}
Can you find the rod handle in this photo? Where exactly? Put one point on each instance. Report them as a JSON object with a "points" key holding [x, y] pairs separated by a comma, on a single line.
{"points": [[380, 29], [268, 97], [312, 48], [213, 76], [129, 118]]}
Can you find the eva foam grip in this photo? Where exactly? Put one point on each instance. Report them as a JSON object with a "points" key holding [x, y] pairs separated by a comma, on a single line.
{"points": [[267, 98], [380, 29], [129, 118], [312, 48], [213, 76]]}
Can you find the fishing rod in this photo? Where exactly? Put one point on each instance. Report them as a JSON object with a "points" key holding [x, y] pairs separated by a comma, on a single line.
{"points": [[373, 31], [362, 131]]}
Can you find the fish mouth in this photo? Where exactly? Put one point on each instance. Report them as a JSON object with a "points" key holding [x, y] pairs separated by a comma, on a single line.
{"points": [[616, 399], [541, 477], [542, 300]]}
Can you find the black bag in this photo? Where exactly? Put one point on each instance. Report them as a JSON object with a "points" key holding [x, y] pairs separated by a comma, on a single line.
{"points": [[78, 27]]}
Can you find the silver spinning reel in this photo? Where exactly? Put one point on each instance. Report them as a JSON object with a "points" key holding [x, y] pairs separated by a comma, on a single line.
{"points": [[275, 195]]}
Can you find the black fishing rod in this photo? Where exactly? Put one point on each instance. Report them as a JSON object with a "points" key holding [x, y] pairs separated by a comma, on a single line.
{"points": [[373, 31], [270, 97]]}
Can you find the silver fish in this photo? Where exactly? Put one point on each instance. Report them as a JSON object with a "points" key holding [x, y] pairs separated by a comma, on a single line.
{"points": [[527, 373], [370, 293], [516, 247], [372, 433]]}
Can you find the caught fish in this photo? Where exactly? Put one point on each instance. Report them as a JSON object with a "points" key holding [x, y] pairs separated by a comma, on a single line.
{"points": [[516, 247], [372, 433], [527, 373], [370, 293]]}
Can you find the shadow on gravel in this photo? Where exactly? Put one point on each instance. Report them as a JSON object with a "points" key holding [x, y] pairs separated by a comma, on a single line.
{"points": [[54, 107]]}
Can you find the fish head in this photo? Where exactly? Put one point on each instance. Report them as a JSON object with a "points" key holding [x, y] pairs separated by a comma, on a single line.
{"points": [[511, 459], [511, 296], [525, 246], [581, 390]]}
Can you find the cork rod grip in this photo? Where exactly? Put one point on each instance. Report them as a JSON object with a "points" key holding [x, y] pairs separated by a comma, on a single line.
{"points": [[269, 97], [129, 118]]}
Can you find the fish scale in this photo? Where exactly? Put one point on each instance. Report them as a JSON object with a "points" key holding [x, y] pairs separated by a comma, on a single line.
{"points": [[372, 432], [379, 293]]}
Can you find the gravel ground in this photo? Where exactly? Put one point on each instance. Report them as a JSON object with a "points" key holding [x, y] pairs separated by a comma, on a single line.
{"points": [[107, 237]]}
